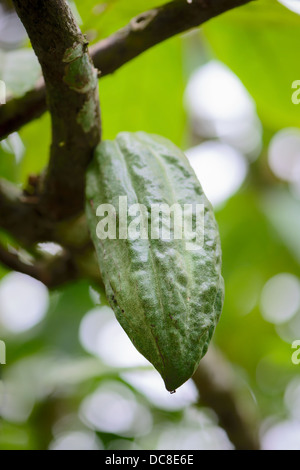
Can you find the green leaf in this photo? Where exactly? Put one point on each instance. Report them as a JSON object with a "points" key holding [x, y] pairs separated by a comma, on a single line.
{"points": [[36, 137], [146, 94]]}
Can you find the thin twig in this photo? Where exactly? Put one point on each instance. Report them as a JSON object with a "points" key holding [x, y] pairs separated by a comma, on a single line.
{"points": [[53, 273]]}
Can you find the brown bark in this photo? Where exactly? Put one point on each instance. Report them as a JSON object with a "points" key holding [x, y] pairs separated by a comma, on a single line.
{"points": [[72, 98]]}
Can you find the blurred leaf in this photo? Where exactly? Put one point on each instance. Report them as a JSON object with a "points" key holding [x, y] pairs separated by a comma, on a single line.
{"points": [[259, 42], [8, 167], [252, 253], [283, 211], [107, 16], [146, 94], [14, 437], [20, 71], [61, 327], [36, 138]]}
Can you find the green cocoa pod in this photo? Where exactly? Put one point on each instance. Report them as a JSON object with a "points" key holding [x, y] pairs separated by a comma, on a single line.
{"points": [[167, 294]]}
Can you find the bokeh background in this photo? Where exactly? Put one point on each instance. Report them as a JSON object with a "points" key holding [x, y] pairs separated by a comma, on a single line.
{"points": [[222, 93]]}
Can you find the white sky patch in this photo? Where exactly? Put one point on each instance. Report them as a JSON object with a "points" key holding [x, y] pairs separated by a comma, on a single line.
{"points": [[150, 384], [220, 106], [13, 144], [12, 32], [220, 169], [23, 302], [101, 335], [282, 436], [292, 398], [280, 299], [191, 439], [284, 155], [15, 405], [114, 409], [76, 440], [215, 92], [196, 431], [50, 247], [293, 5], [290, 330]]}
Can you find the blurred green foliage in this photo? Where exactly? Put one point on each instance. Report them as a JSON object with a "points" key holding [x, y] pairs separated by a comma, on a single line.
{"points": [[259, 42], [259, 225]]}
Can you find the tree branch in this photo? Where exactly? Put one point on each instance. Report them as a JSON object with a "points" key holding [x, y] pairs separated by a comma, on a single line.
{"points": [[72, 98], [53, 273], [219, 390], [155, 26], [20, 111], [21, 217], [142, 33]]}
